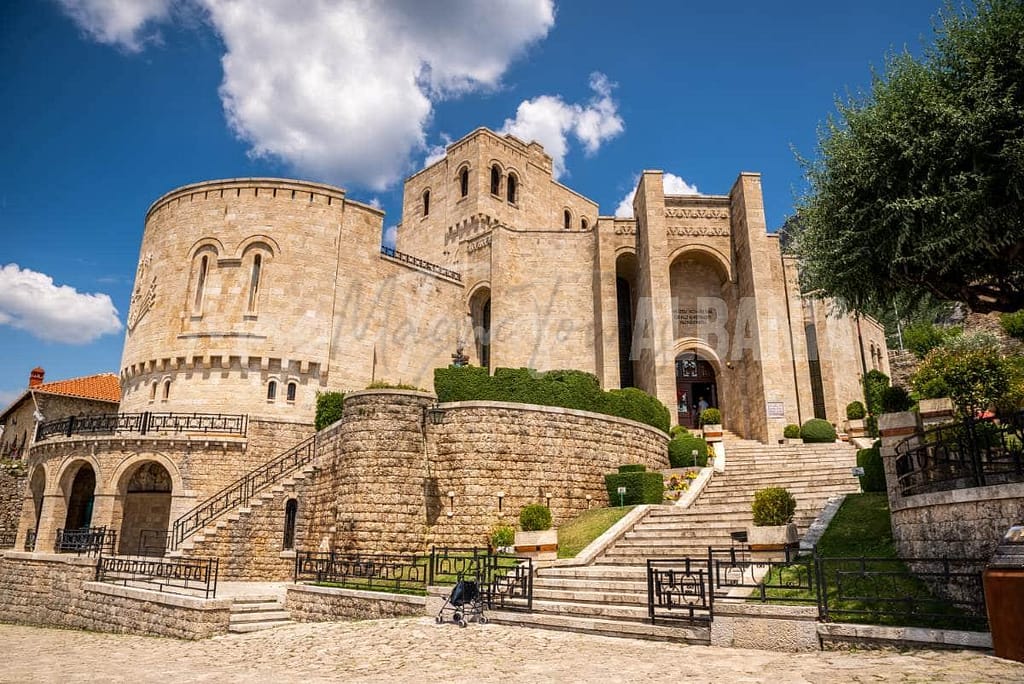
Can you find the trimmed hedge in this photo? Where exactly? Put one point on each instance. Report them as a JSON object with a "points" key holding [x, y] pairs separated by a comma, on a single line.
{"points": [[633, 468], [711, 416], [680, 451], [855, 411], [535, 517], [329, 408], [641, 488], [791, 431], [565, 388], [818, 430], [896, 399], [773, 506], [873, 479]]}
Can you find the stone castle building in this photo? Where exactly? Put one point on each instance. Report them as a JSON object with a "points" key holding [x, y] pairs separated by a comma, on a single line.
{"points": [[252, 295]]}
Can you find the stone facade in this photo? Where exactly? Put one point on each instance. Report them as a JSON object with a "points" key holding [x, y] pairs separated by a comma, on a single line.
{"points": [[12, 492], [58, 591], [19, 419], [309, 603]]}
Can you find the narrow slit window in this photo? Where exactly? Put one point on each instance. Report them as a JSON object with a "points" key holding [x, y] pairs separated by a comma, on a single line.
{"points": [[291, 510], [152, 392], [272, 390], [426, 203], [254, 284], [292, 387], [513, 184], [167, 389], [464, 182], [495, 180], [197, 305], [567, 220], [583, 224]]}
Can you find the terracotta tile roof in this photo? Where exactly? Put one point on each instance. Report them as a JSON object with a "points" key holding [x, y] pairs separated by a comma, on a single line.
{"points": [[103, 386]]}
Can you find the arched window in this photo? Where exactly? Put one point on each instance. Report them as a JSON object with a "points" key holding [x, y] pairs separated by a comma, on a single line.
{"points": [[254, 281], [292, 387], [152, 392], [197, 304], [513, 182], [567, 219], [272, 390], [426, 203], [291, 512], [167, 389], [464, 182], [495, 180], [583, 225]]}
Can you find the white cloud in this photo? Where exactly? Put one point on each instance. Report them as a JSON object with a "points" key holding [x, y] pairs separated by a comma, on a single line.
{"points": [[437, 152], [390, 235], [673, 185], [7, 397], [124, 24], [31, 301], [550, 120], [342, 90]]}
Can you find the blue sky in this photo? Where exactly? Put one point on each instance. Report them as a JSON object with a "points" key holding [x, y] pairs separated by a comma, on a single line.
{"points": [[108, 105]]}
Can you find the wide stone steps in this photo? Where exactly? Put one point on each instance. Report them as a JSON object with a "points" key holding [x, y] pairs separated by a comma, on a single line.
{"points": [[257, 613], [684, 634]]}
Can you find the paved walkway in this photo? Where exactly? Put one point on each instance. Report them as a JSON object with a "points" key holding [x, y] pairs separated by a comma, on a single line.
{"points": [[417, 650]]}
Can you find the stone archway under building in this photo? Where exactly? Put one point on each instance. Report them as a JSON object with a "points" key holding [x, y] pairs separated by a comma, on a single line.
{"points": [[142, 501], [80, 495]]}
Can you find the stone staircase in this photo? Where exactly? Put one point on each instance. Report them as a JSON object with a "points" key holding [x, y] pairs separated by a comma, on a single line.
{"points": [[610, 596], [257, 613]]}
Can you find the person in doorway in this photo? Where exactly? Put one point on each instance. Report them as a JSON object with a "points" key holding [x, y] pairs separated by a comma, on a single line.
{"points": [[702, 404]]}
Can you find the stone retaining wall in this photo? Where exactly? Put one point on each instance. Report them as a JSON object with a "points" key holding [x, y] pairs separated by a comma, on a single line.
{"points": [[765, 627], [12, 493], [59, 591], [329, 604]]}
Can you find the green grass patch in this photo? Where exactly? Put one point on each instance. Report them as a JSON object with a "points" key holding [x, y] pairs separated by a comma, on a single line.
{"points": [[576, 535]]}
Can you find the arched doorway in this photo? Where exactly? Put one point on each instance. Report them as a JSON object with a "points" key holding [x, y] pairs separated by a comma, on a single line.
{"points": [[145, 494], [37, 488], [80, 499], [480, 309], [695, 383], [625, 293]]}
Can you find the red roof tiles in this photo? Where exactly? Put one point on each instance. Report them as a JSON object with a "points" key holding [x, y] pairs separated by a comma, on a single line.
{"points": [[104, 386]]}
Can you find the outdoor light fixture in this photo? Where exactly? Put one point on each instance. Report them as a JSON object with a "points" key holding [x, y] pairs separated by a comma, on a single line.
{"points": [[501, 495], [694, 454], [548, 497], [436, 414], [589, 499], [451, 499]]}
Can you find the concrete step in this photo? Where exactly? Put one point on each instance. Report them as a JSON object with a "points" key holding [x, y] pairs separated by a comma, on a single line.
{"points": [[595, 585], [591, 595], [589, 572], [602, 611], [257, 626], [259, 616], [685, 634]]}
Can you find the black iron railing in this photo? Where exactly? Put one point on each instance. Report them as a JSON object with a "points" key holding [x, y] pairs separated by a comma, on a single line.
{"points": [[240, 492], [680, 589], [87, 541], [30, 540], [143, 423], [790, 580], [7, 539], [971, 453], [420, 263], [188, 576], [505, 582], [387, 572]]}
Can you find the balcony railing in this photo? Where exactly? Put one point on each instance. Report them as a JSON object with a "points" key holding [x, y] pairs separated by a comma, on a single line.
{"points": [[143, 423], [420, 263]]}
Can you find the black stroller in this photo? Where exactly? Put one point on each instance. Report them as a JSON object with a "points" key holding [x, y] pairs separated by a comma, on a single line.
{"points": [[464, 602]]}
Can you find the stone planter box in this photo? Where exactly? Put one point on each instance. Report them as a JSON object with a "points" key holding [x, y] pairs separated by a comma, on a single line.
{"points": [[539, 545], [856, 428], [713, 433], [771, 541], [793, 441]]}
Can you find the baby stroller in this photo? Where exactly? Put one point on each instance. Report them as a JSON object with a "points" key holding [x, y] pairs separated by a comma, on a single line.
{"points": [[464, 602]]}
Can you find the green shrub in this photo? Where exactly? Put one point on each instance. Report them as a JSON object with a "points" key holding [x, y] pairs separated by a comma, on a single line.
{"points": [[641, 488], [921, 338], [535, 517], [503, 535], [632, 468], [871, 426], [380, 384], [711, 416], [681, 448], [875, 383], [678, 430], [818, 430], [1013, 324], [565, 388], [855, 411], [873, 479], [969, 369], [791, 431], [773, 506], [329, 408], [896, 399]]}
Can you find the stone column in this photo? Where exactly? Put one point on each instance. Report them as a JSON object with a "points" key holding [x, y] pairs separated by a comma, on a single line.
{"points": [[935, 412], [50, 518], [893, 428]]}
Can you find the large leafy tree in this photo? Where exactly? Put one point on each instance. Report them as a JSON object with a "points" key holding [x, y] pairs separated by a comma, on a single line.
{"points": [[917, 186]]}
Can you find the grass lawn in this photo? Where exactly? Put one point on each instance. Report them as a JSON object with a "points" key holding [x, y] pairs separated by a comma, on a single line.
{"points": [[576, 535], [861, 529]]}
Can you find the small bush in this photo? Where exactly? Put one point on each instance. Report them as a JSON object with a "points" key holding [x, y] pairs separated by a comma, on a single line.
{"points": [[791, 431], [818, 430], [632, 468], [773, 506], [329, 408], [896, 399], [641, 488], [681, 448], [855, 411], [921, 338], [1013, 324], [535, 517], [873, 479], [380, 384], [871, 425], [711, 416], [503, 535], [875, 383], [678, 430]]}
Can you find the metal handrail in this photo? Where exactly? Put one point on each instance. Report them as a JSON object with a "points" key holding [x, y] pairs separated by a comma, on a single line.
{"points": [[420, 263], [241, 491], [115, 423]]}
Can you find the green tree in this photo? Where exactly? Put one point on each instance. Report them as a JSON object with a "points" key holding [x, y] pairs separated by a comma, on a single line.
{"points": [[329, 406], [918, 184], [921, 338], [968, 369]]}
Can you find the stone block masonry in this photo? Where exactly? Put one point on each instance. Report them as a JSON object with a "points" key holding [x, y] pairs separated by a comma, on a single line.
{"points": [[329, 604]]}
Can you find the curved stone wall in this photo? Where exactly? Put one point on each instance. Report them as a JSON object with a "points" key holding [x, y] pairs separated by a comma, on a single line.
{"points": [[389, 469]]}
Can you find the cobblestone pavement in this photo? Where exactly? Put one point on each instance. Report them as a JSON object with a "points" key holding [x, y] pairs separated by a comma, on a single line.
{"points": [[416, 649]]}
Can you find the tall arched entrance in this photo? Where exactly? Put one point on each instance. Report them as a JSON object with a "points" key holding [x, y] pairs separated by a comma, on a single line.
{"points": [[144, 493], [80, 499], [480, 309], [37, 488], [696, 385], [625, 294]]}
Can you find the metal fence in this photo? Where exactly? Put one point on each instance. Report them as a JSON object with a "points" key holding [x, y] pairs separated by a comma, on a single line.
{"points": [[680, 589], [420, 263], [792, 580], [7, 539], [87, 541], [143, 423], [970, 453], [187, 576], [388, 572], [30, 540]]}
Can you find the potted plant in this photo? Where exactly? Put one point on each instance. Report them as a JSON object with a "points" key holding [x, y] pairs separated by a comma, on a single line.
{"points": [[503, 538], [855, 414], [711, 423], [773, 529], [535, 538], [792, 434]]}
